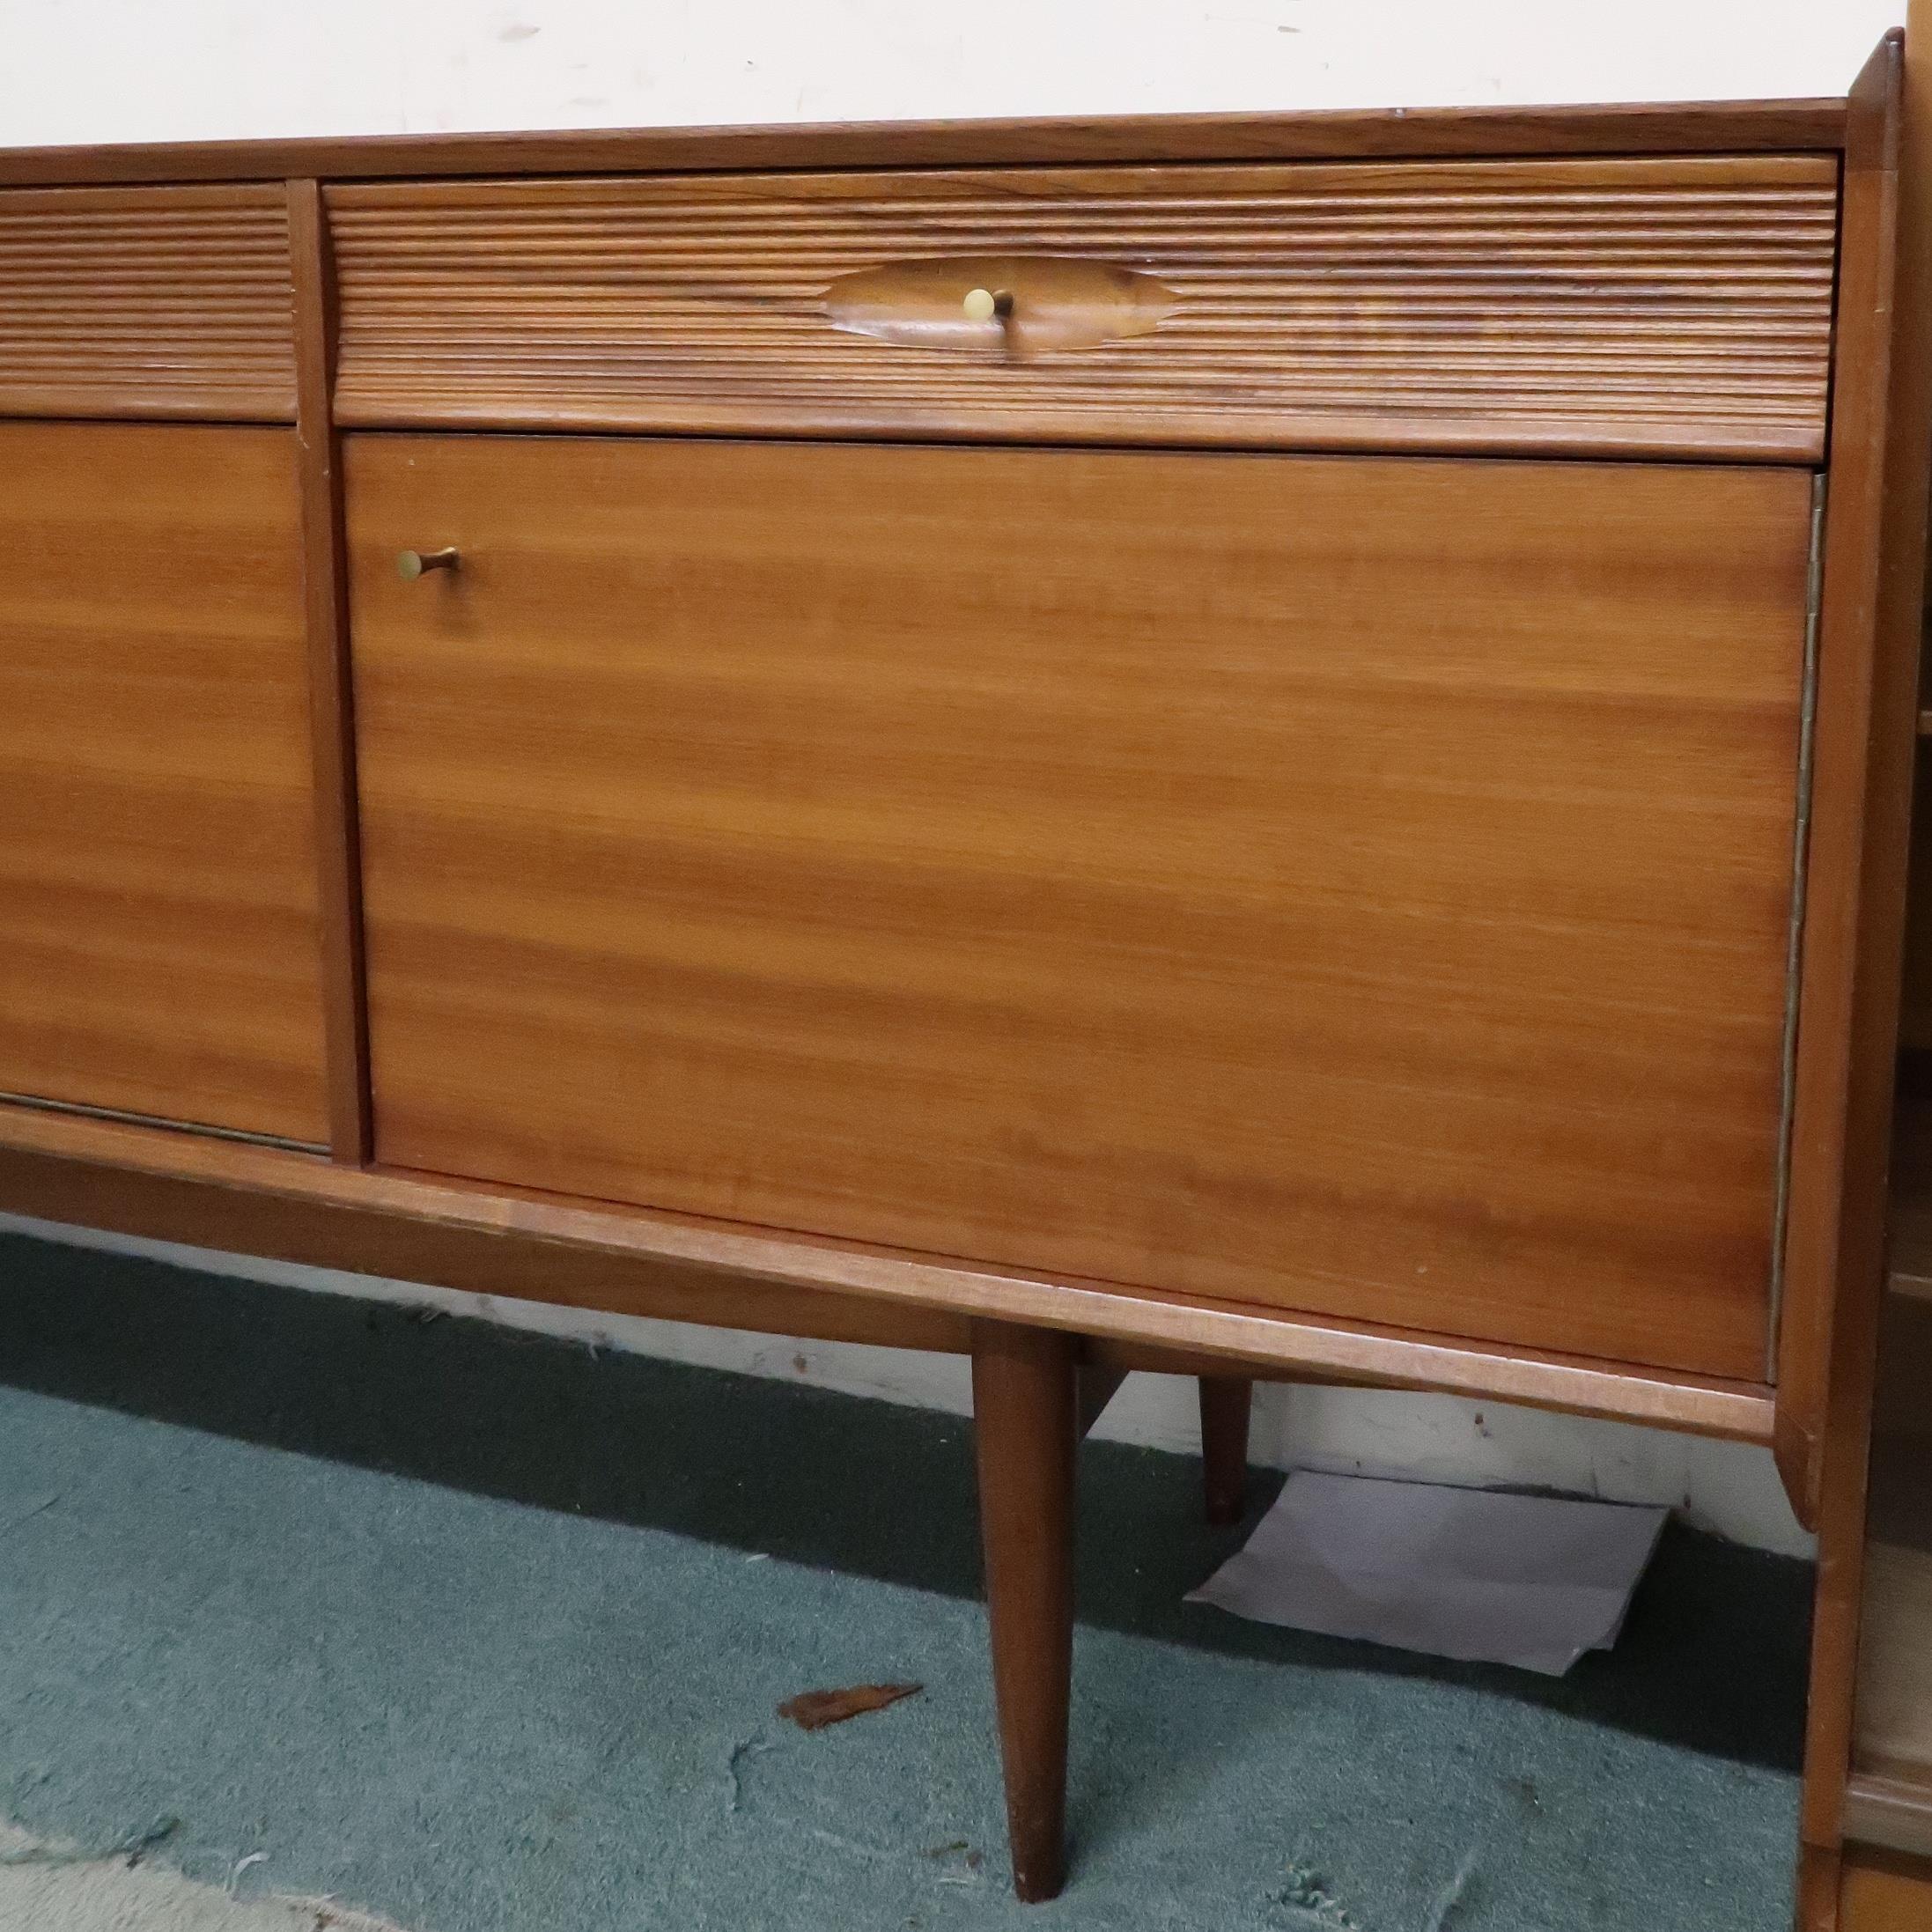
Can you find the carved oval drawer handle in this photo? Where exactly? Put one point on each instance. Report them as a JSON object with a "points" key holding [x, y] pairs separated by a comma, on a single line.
{"points": [[1016, 305], [410, 565]]}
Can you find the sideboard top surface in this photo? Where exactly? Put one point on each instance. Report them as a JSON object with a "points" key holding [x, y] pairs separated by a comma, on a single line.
{"points": [[1631, 128]]}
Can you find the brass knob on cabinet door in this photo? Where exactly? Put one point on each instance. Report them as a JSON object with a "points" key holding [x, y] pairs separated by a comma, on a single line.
{"points": [[410, 565], [982, 305]]}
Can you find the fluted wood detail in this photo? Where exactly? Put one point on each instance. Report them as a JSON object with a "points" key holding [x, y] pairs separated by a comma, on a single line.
{"points": [[165, 302], [1644, 306]]}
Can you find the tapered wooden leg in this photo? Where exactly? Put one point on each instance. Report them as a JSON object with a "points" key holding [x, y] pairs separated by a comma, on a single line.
{"points": [[1226, 1403], [1026, 1415]]}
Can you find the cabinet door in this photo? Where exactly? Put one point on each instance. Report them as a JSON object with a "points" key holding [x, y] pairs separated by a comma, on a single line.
{"points": [[158, 900], [1359, 886]]}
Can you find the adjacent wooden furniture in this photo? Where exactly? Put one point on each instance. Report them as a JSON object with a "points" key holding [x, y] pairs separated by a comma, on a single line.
{"points": [[1867, 1859], [1885, 1894], [1258, 747]]}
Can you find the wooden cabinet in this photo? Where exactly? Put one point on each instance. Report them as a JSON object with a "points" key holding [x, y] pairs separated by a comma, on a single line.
{"points": [[1270, 746], [1320, 883], [158, 931]]}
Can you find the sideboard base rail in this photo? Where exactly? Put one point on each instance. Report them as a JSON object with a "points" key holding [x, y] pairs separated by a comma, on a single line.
{"points": [[411, 1226]]}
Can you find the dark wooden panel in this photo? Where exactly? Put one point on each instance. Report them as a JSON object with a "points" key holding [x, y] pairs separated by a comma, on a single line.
{"points": [[1915, 1013], [1903, 1396], [1679, 307], [147, 302], [1626, 127], [1909, 1214], [1886, 1894], [1179, 870], [331, 697], [159, 946]]}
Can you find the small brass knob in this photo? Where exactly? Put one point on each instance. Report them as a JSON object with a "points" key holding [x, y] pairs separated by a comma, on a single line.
{"points": [[982, 305], [410, 565]]}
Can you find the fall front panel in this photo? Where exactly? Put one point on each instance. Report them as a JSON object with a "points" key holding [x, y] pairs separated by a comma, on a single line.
{"points": [[1359, 885]]}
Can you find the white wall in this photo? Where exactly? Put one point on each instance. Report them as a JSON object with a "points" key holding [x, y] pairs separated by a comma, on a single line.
{"points": [[94, 70], [78, 70]]}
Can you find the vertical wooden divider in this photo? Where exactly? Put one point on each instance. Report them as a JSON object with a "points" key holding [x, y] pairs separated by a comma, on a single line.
{"points": [[1856, 870], [1879, 483], [331, 695]]}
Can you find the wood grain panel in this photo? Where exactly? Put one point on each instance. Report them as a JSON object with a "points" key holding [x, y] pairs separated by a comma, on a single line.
{"points": [[1637, 307], [1326, 884], [147, 302], [159, 951], [1883, 1893]]}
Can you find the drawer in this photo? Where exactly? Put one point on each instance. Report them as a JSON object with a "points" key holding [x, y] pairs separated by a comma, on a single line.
{"points": [[1176, 869], [158, 931], [172, 302], [1671, 307]]}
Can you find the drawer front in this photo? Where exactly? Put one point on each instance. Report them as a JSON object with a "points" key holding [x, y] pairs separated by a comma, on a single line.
{"points": [[159, 949], [1672, 306], [1196, 871], [172, 302]]}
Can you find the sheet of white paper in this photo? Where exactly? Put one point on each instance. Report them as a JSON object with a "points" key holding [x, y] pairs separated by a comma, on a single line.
{"points": [[1476, 1573]]}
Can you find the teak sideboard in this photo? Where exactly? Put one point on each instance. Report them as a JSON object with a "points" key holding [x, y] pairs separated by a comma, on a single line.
{"points": [[1260, 747]]}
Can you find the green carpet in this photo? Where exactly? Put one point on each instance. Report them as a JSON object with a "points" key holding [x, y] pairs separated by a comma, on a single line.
{"points": [[481, 1632]]}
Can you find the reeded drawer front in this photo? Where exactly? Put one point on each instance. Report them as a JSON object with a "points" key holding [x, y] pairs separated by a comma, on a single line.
{"points": [[162, 302], [160, 952], [1332, 884], [1672, 306]]}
